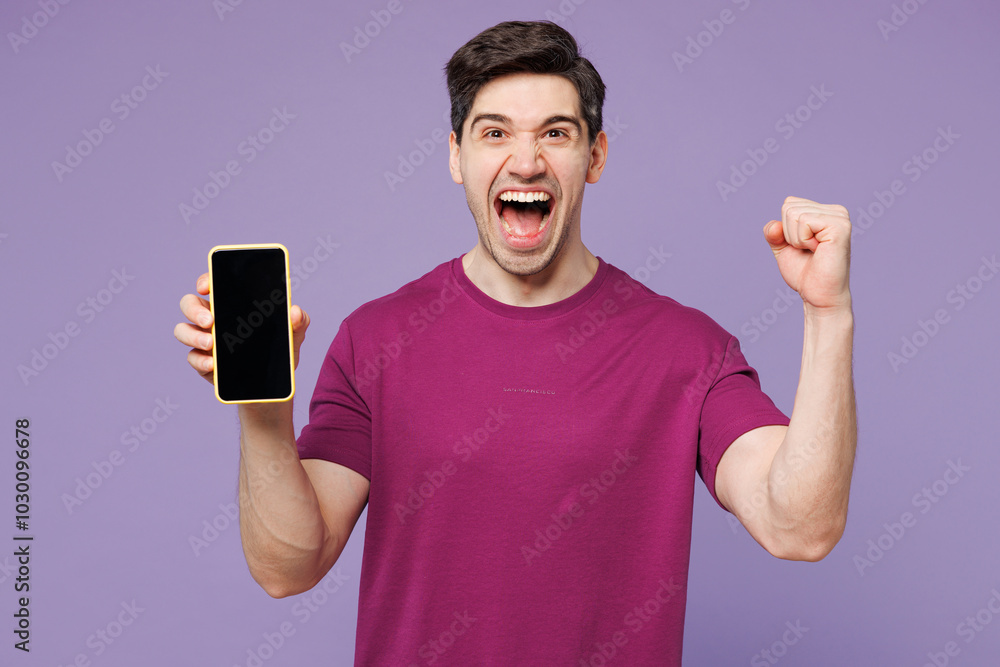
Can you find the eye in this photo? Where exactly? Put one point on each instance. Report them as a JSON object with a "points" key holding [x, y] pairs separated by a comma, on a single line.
{"points": [[558, 134], [494, 134]]}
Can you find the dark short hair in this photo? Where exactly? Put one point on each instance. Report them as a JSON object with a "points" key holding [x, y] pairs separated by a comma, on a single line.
{"points": [[537, 47]]}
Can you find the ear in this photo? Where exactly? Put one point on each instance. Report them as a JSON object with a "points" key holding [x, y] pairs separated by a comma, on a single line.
{"points": [[454, 159], [598, 157]]}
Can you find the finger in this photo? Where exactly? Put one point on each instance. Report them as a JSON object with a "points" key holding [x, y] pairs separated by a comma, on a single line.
{"points": [[792, 211], [774, 235], [794, 201], [801, 201], [807, 235], [789, 224], [196, 310], [300, 320], [201, 362], [820, 223], [815, 212], [805, 222], [202, 284], [193, 336], [806, 206]]}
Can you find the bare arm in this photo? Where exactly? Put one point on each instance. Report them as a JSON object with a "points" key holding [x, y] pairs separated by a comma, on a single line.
{"points": [[790, 486], [295, 516]]}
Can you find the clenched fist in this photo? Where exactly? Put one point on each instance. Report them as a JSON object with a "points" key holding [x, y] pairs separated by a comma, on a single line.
{"points": [[812, 244]]}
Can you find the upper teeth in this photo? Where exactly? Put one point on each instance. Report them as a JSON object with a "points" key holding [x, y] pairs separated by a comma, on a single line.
{"points": [[510, 195]]}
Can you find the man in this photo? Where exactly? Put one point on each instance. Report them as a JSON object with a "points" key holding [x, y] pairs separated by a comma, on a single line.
{"points": [[524, 422]]}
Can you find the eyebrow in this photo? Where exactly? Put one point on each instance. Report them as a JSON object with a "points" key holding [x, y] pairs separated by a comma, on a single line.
{"points": [[500, 118]]}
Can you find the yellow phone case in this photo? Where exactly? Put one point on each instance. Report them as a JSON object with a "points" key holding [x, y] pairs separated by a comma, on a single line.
{"points": [[288, 306]]}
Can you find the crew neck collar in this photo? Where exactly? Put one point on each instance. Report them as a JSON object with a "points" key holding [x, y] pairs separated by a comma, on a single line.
{"points": [[568, 304]]}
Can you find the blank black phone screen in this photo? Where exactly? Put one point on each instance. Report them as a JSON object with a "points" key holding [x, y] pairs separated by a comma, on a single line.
{"points": [[250, 301]]}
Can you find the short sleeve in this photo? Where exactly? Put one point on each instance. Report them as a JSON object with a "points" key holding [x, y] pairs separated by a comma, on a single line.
{"points": [[733, 405], [340, 422]]}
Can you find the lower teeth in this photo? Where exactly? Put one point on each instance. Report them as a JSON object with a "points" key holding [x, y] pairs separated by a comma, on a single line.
{"points": [[518, 236], [510, 231]]}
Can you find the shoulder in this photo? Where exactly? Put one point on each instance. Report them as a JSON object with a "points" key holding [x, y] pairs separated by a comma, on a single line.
{"points": [[438, 283], [664, 314]]}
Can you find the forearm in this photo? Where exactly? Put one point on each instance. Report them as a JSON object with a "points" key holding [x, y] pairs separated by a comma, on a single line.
{"points": [[809, 479], [285, 539]]}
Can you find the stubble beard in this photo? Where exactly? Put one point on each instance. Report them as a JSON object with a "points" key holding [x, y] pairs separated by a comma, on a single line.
{"points": [[523, 263]]}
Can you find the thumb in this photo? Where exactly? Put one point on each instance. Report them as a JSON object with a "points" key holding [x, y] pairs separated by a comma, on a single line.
{"points": [[774, 235], [300, 320]]}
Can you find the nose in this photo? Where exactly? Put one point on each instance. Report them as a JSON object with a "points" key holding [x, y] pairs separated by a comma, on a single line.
{"points": [[526, 158]]}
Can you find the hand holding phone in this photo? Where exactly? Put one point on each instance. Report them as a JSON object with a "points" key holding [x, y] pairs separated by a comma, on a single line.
{"points": [[253, 349], [196, 331]]}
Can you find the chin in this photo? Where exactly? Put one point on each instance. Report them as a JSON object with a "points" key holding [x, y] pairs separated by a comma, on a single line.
{"points": [[527, 262]]}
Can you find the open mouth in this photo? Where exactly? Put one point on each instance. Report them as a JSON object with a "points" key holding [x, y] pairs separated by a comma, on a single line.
{"points": [[524, 215]]}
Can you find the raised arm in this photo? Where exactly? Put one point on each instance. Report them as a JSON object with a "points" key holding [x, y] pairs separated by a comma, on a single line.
{"points": [[790, 486], [295, 516]]}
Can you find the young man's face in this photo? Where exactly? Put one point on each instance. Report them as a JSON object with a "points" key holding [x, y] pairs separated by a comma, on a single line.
{"points": [[525, 139]]}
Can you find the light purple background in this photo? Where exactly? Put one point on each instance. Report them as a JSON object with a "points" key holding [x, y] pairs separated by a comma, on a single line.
{"points": [[678, 134]]}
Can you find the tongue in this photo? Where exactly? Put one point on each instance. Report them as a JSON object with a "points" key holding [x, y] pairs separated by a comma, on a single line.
{"points": [[524, 220]]}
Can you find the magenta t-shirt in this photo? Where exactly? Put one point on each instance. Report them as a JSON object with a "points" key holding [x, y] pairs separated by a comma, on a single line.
{"points": [[532, 469]]}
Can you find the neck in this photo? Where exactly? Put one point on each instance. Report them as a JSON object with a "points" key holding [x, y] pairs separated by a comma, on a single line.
{"points": [[568, 273]]}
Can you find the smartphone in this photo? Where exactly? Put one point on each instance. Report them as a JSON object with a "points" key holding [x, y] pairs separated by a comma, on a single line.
{"points": [[250, 295]]}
